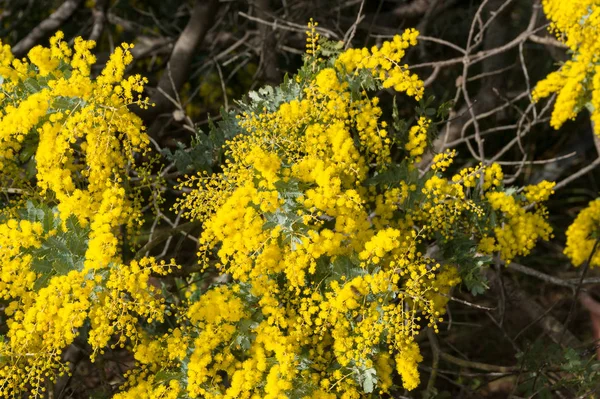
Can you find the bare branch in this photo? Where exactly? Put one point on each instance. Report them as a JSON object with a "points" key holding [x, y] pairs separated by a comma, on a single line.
{"points": [[548, 41], [50, 24], [417, 8], [577, 174], [268, 66], [352, 31], [99, 15], [202, 18], [551, 326]]}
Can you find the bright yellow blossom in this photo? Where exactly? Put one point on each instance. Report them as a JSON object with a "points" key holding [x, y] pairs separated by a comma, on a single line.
{"points": [[582, 236]]}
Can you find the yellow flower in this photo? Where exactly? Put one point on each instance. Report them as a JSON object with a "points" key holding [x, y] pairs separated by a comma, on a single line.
{"points": [[576, 23], [417, 139], [582, 236]]}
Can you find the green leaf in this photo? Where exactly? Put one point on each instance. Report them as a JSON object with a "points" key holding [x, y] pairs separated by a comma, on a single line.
{"points": [[59, 253], [32, 85], [164, 376], [392, 176], [66, 103], [330, 48], [444, 109], [368, 378]]}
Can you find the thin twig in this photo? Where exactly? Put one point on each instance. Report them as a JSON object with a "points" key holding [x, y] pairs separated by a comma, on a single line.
{"points": [[577, 174], [50, 24], [539, 275], [352, 31], [435, 349], [584, 271]]}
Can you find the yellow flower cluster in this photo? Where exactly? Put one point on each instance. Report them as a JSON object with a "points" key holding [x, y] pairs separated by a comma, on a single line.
{"points": [[320, 146], [85, 138], [321, 231], [442, 161], [577, 83], [417, 139], [41, 326], [384, 63], [493, 178], [152, 389], [43, 323], [312, 44], [331, 284], [84, 130], [582, 236], [16, 276], [521, 229], [127, 296]]}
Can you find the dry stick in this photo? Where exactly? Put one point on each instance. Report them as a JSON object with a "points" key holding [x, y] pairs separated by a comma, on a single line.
{"points": [[477, 365], [463, 86], [468, 374], [535, 321], [479, 37], [586, 267], [352, 31], [577, 174], [466, 363], [542, 276], [436, 360], [491, 112], [268, 65], [413, 9], [202, 18], [431, 77], [434, 40], [368, 34], [481, 55], [504, 332], [519, 133], [223, 88], [150, 46], [548, 41], [526, 75], [162, 236], [290, 26], [491, 73], [530, 28], [469, 103], [467, 60], [188, 125], [549, 324], [587, 281], [470, 304], [99, 15], [50, 24]]}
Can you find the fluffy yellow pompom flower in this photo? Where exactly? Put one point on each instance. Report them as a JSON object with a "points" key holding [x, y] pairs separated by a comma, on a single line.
{"points": [[577, 24], [86, 138], [583, 234], [323, 230]]}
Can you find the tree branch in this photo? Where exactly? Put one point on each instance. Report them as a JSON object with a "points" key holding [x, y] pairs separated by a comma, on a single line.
{"points": [[99, 16], [50, 24], [178, 68], [268, 66], [551, 326]]}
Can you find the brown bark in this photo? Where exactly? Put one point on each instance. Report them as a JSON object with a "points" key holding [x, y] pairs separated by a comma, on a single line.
{"points": [[49, 25], [269, 70], [178, 67]]}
